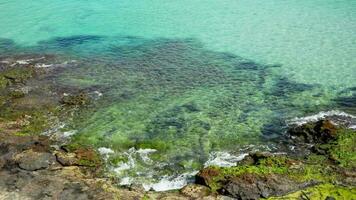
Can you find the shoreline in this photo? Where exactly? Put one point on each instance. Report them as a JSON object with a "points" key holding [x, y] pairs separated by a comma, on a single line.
{"points": [[46, 168]]}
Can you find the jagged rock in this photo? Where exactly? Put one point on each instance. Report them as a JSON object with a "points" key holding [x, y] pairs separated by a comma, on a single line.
{"points": [[254, 157], [88, 157], [252, 186], [67, 159], [80, 157], [195, 191], [319, 132], [31, 160], [206, 176]]}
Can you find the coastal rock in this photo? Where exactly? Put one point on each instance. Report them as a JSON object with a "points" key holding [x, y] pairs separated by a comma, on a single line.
{"points": [[67, 159], [254, 158], [319, 132], [31, 160], [88, 157], [74, 191], [195, 191], [253, 186], [206, 176], [80, 157]]}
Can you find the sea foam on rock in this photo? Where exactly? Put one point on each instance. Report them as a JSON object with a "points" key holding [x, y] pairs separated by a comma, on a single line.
{"points": [[336, 116]]}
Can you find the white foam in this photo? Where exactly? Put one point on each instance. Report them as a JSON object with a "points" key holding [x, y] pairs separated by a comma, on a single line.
{"points": [[123, 166], [54, 129], [98, 93], [321, 115], [132, 154], [43, 65], [67, 134], [23, 62], [105, 151], [170, 182], [126, 181], [223, 159], [144, 153]]}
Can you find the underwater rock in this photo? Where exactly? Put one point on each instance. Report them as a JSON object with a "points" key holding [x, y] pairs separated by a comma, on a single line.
{"points": [[75, 100], [191, 107], [18, 74], [19, 92]]}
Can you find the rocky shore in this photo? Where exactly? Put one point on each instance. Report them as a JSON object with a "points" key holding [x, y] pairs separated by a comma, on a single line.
{"points": [[45, 166]]}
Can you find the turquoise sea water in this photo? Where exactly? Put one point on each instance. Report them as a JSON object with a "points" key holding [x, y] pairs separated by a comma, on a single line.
{"points": [[190, 79]]}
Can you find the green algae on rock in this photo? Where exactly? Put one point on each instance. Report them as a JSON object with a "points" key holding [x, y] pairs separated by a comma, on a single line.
{"points": [[265, 175], [325, 191]]}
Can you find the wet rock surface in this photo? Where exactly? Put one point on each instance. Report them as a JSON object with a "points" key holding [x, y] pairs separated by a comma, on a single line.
{"points": [[252, 186], [321, 131], [267, 175]]}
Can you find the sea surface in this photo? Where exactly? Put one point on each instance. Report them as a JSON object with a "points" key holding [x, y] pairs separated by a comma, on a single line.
{"points": [[185, 84]]}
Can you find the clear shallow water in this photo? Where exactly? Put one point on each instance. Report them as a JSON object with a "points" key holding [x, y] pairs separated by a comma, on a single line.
{"points": [[190, 78]]}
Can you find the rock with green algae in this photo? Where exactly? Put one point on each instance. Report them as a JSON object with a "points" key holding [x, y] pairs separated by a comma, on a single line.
{"points": [[264, 175], [322, 192], [263, 178], [17, 74], [321, 131], [3, 82], [76, 99], [76, 155]]}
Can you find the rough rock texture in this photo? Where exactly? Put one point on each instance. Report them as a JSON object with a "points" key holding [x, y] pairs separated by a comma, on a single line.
{"points": [[329, 159], [252, 186], [76, 100], [195, 191], [29, 170], [31, 160], [321, 131]]}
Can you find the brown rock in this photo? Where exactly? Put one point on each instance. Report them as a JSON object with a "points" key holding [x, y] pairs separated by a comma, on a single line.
{"points": [[195, 191], [67, 159], [88, 157], [205, 176]]}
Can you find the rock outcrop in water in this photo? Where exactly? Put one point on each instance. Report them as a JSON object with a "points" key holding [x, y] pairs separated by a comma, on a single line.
{"points": [[330, 164]]}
